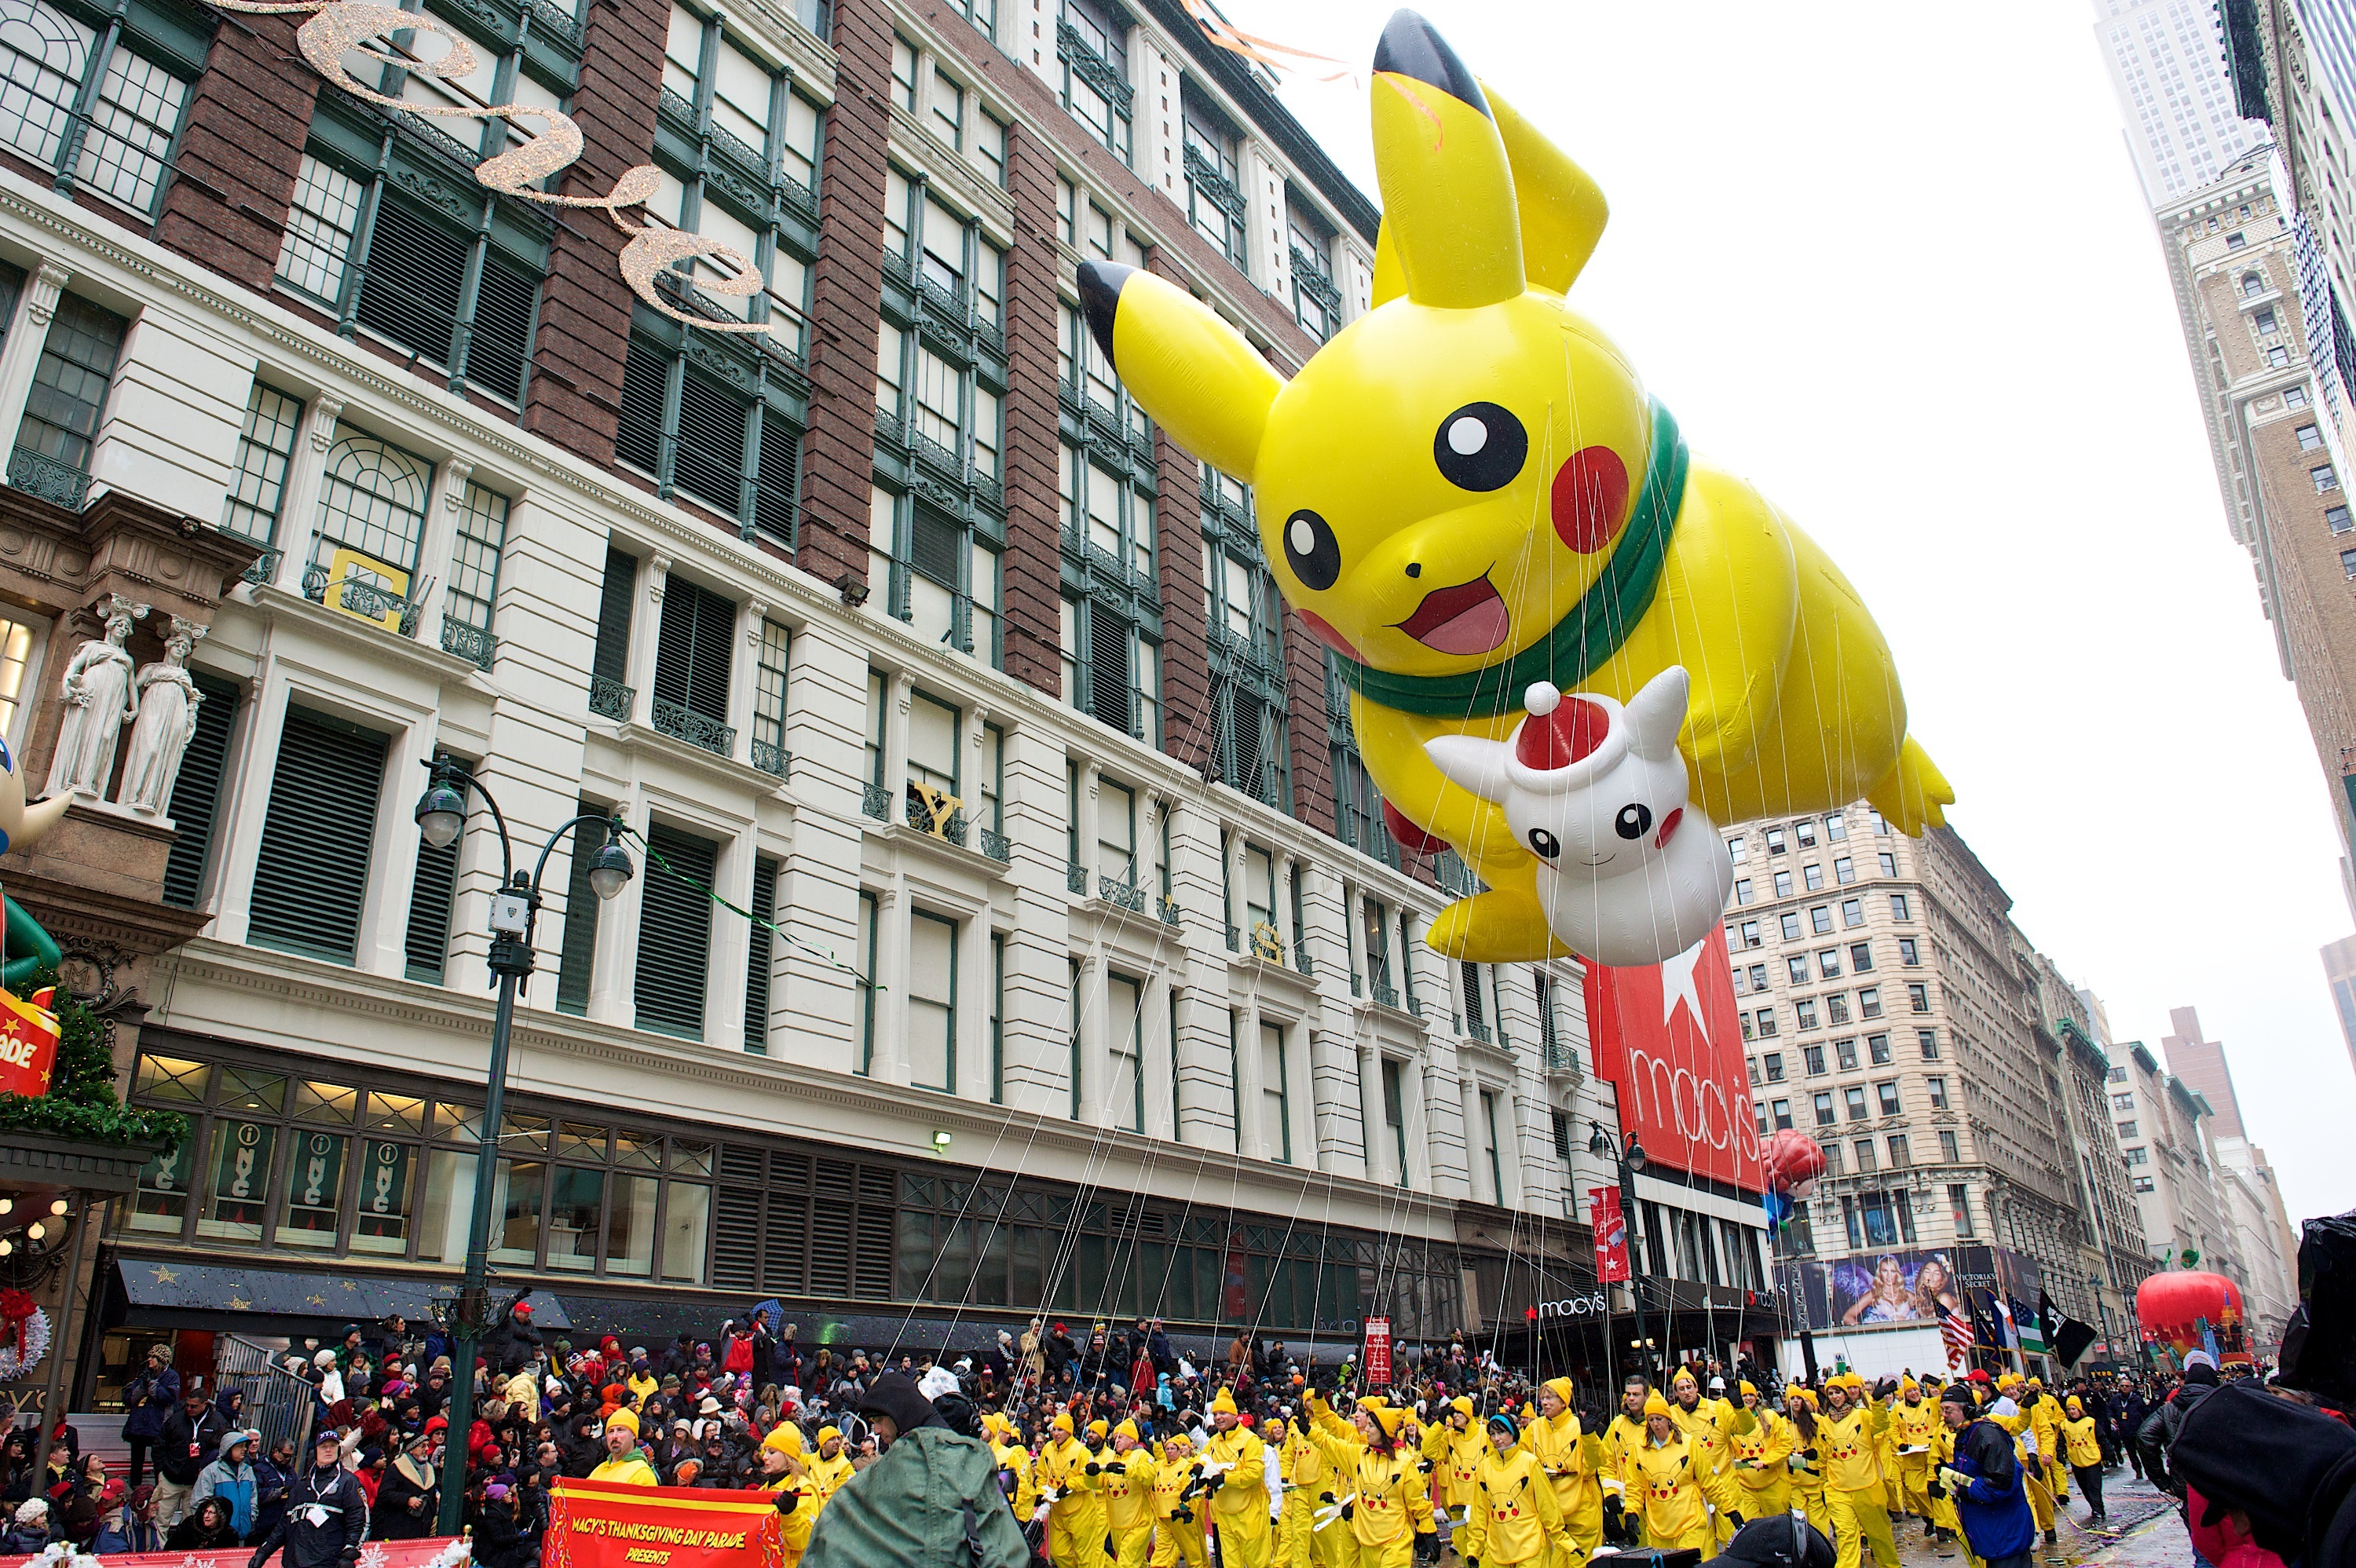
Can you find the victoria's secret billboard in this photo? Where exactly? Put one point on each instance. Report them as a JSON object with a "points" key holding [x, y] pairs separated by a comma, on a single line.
{"points": [[1667, 1037]]}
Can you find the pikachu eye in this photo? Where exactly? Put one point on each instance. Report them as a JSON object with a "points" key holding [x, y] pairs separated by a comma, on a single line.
{"points": [[1481, 446], [1312, 550]]}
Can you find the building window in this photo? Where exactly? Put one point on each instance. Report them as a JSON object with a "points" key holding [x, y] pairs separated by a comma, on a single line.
{"points": [[1742, 890], [2337, 519], [1869, 1002], [1214, 199], [1918, 996], [1795, 964], [1887, 1093], [1316, 302], [1860, 957], [2293, 397], [1395, 1113], [1783, 884], [1791, 926], [1814, 876], [1823, 1102], [1738, 849], [1937, 1089], [728, 114], [694, 649], [2115, 1075], [1774, 1061], [2324, 478], [2278, 358], [1093, 45], [265, 448], [426, 943], [1876, 1050], [2138, 1156], [1959, 1204], [1836, 1157], [674, 932], [2127, 1130], [1854, 1098], [769, 700], [1844, 869], [1358, 808], [1767, 1023], [1820, 920], [712, 427], [1774, 841], [322, 812], [196, 794], [1750, 934], [1866, 1152], [2309, 438], [865, 976], [1804, 833], [1927, 1042], [1836, 1007], [2347, 562], [1783, 1109], [2122, 1102], [1899, 1157], [1844, 1054], [577, 950], [116, 140], [1813, 1056], [760, 955], [2143, 1184], [371, 521], [1899, 908], [1804, 1013], [473, 586], [2235, 241], [66, 399], [932, 1001], [425, 260], [1907, 952]]}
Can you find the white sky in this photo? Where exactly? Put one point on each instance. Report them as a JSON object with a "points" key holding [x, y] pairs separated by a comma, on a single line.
{"points": [[1891, 263]]}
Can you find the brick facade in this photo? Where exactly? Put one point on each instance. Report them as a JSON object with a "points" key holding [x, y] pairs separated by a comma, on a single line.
{"points": [[839, 452], [242, 149], [575, 395], [1032, 561]]}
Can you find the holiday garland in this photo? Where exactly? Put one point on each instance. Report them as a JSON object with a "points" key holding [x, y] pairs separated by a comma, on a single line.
{"points": [[81, 1103]]}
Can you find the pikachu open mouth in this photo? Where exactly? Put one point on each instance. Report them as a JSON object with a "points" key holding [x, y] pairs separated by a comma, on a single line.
{"points": [[1470, 618]]}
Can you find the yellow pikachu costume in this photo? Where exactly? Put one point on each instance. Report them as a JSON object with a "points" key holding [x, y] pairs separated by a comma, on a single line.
{"points": [[1468, 490]]}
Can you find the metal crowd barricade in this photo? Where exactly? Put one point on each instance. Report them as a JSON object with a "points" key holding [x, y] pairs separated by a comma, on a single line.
{"points": [[277, 1403]]}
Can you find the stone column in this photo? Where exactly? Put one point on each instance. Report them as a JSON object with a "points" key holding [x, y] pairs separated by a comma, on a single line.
{"points": [[26, 333], [298, 502], [1380, 1162]]}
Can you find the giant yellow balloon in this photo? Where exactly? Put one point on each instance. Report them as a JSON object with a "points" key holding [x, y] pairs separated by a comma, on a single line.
{"points": [[1468, 491]]}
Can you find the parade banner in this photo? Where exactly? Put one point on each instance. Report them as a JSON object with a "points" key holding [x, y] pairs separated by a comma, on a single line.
{"points": [[1378, 1352], [1611, 1227], [373, 1554], [605, 1524], [1667, 1037]]}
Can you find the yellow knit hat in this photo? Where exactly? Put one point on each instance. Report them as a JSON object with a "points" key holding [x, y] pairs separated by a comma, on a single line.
{"points": [[626, 1418], [1062, 1422], [1127, 1429], [1745, 1387], [1560, 1388], [1462, 1406], [1100, 1430], [2073, 1407], [827, 1434], [1386, 1416], [1685, 1375], [1223, 1403], [1655, 1405], [1908, 1385], [786, 1439]]}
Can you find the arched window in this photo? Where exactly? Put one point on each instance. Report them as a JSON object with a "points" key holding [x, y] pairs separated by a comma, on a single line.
{"points": [[2252, 284]]}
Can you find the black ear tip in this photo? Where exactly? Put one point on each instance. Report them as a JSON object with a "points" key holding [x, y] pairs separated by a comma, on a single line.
{"points": [[1100, 286], [1411, 47]]}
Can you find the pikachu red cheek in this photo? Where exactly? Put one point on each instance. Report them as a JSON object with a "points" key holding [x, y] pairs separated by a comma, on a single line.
{"points": [[1590, 498]]}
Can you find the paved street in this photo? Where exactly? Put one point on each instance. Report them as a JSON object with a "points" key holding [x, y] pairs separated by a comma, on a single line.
{"points": [[2144, 1532]]}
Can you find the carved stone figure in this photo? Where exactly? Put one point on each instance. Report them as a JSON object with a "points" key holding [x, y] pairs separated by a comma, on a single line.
{"points": [[97, 691], [167, 701]]}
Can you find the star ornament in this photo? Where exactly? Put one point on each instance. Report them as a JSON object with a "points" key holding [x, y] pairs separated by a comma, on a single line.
{"points": [[166, 1276], [1680, 988]]}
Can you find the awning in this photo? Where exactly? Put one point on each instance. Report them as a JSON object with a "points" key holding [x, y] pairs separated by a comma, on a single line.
{"points": [[159, 1289]]}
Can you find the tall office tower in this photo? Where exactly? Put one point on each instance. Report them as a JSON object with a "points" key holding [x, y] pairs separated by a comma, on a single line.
{"points": [[2167, 64]]}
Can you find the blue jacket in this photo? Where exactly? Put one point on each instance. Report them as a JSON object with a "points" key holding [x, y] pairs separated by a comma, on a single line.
{"points": [[146, 1401], [233, 1481], [1994, 1508]]}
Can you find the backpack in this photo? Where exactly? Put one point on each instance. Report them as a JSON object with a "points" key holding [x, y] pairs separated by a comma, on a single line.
{"points": [[933, 1498]]}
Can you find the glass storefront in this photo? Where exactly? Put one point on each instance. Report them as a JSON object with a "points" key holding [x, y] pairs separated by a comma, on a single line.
{"points": [[282, 1157]]}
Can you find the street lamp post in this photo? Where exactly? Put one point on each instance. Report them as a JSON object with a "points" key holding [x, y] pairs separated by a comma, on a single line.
{"points": [[1629, 1160], [440, 817]]}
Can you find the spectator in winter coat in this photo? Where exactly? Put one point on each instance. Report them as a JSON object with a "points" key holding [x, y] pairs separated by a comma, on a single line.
{"points": [[133, 1528], [2159, 1428], [30, 1532], [327, 1515], [232, 1479], [189, 1441], [1985, 1480], [273, 1478], [147, 1398], [409, 1496], [206, 1528], [498, 1541]]}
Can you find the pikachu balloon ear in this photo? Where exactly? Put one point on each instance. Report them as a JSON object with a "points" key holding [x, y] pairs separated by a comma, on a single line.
{"points": [[1561, 207], [1447, 191], [1188, 370]]}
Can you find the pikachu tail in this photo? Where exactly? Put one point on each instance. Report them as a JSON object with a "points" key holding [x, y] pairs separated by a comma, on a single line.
{"points": [[1912, 792]]}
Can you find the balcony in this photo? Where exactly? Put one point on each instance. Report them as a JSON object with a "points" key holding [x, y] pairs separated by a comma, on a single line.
{"points": [[876, 802], [1125, 894], [1557, 1057], [1234, 940], [1170, 912], [1301, 961], [681, 722], [1384, 996], [921, 818], [469, 642], [771, 758], [1480, 1031], [610, 699], [363, 601], [1075, 878], [994, 844]]}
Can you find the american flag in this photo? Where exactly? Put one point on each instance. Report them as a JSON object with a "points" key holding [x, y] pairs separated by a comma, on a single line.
{"points": [[1957, 1333]]}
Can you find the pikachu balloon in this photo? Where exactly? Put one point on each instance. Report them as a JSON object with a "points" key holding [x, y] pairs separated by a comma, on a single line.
{"points": [[1468, 491], [26, 946]]}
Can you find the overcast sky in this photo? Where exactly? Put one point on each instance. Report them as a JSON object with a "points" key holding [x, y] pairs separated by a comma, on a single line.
{"points": [[1891, 263]]}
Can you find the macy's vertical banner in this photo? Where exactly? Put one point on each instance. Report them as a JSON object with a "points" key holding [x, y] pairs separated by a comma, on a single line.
{"points": [[604, 1524], [1611, 1227], [1667, 1036], [1378, 1352]]}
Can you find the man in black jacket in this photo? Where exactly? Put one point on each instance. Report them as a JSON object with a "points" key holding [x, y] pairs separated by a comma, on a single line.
{"points": [[327, 1515], [189, 1441], [2160, 1427]]}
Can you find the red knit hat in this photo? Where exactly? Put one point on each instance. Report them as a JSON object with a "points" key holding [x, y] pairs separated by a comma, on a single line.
{"points": [[1559, 732]]}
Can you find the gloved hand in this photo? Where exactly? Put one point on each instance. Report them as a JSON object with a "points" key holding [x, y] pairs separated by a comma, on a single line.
{"points": [[1326, 1497], [788, 1501], [1094, 1468], [1423, 1466], [1211, 1484], [1427, 1546], [1955, 1480], [1183, 1514], [1734, 1519], [2037, 1466], [1612, 1505], [1349, 1510]]}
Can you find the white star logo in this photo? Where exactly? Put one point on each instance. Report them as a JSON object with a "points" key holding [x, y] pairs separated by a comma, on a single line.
{"points": [[1679, 987]]}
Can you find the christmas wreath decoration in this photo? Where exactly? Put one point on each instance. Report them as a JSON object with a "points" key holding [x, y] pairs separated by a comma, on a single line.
{"points": [[24, 1334]]}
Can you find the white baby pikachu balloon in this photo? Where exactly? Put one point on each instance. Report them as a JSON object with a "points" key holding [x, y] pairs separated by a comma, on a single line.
{"points": [[1630, 872]]}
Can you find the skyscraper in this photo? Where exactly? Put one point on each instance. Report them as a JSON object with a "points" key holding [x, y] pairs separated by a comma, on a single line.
{"points": [[2200, 1062], [2339, 972], [2167, 64]]}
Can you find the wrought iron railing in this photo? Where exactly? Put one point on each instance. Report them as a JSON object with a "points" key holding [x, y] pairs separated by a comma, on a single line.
{"points": [[1300, 961], [1169, 912], [363, 600], [265, 568], [1075, 877], [1234, 940], [1356, 986], [1125, 894], [1415, 1007], [1384, 996], [771, 758], [994, 844], [1480, 1031], [876, 802], [468, 640], [680, 722], [609, 698], [921, 818]]}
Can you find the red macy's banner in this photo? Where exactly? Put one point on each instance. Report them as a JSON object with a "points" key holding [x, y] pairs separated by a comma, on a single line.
{"points": [[1667, 1037], [602, 1524], [373, 1554]]}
